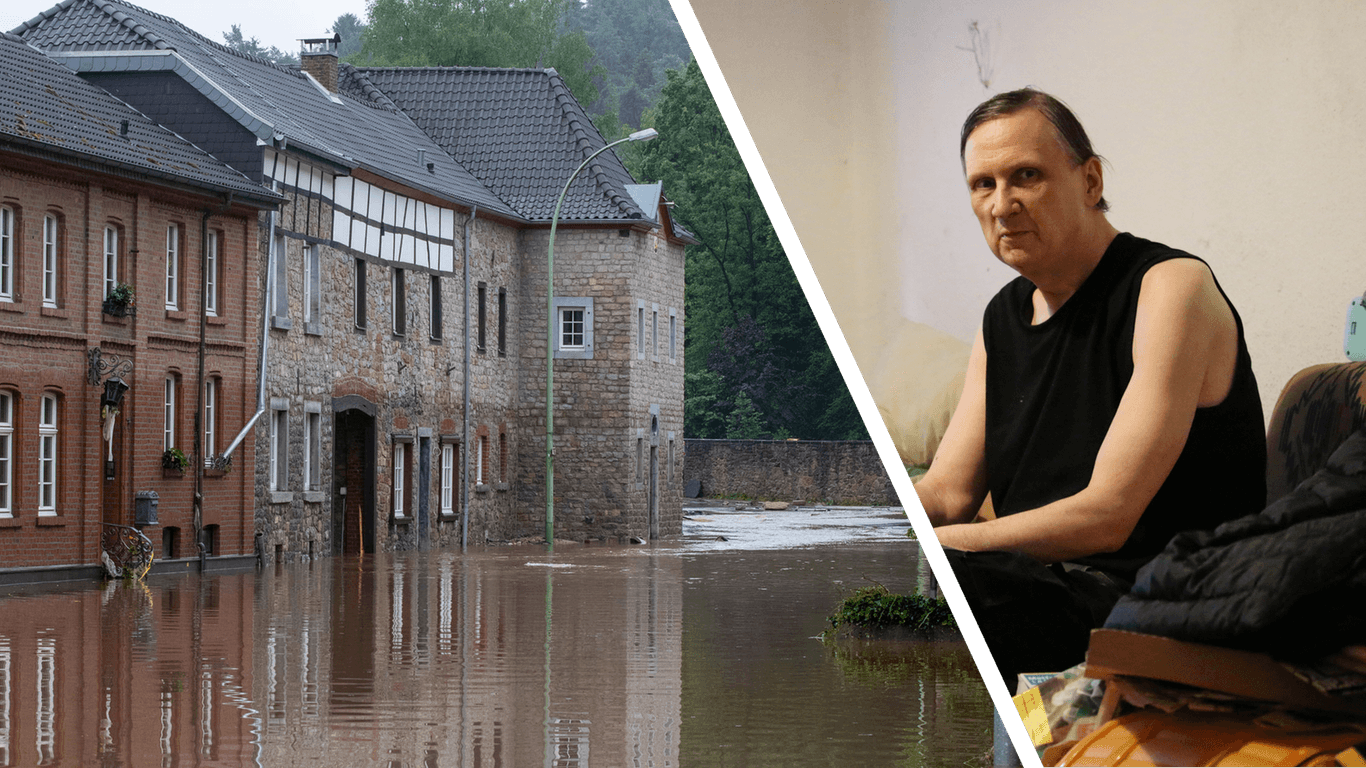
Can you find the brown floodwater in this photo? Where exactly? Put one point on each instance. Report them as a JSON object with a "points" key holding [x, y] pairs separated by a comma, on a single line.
{"points": [[511, 656]]}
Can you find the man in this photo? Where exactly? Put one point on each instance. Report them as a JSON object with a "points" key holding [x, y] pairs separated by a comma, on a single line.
{"points": [[1109, 400]]}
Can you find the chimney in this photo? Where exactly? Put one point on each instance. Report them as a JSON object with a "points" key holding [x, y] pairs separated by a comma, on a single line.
{"points": [[319, 59]]}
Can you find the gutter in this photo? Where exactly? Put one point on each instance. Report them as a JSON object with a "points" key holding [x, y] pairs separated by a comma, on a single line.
{"points": [[465, 410], [265, 341]]}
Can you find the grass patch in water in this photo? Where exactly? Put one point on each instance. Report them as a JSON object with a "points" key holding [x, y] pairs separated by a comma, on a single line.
{"points": [[876, 608]]}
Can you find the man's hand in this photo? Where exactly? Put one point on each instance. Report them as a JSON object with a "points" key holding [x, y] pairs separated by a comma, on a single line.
{"points": [[1185, 351]]}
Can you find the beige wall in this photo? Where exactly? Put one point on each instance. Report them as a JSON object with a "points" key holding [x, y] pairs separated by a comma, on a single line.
{"points": [[1232, 129]]}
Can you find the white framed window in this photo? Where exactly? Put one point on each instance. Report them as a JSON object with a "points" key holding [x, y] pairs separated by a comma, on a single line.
{"points": [[173, 266], [571, 328], [210, 446], [313, 291], [673, 335], [168, 415], [47, 456], [111, 259], [279, 449], [211, 275], [479, 458], [6, 454], [447, 479], [574, 327], [51, 244], [6, 253], [400, 472], [313, 422], [400, 286]]}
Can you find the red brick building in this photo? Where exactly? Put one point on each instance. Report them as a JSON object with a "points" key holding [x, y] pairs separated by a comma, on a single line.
{"points": [[94, 196]]}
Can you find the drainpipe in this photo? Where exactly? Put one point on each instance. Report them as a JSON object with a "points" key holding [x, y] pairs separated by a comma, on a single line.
{"points": [[265, 341], [465, 418]]}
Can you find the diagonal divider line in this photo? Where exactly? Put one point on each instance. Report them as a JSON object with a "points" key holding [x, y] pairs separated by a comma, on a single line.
{"points": [[853, 378]]}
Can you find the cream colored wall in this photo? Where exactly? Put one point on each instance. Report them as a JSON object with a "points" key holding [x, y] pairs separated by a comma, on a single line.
{"points": [[1233, 129]]}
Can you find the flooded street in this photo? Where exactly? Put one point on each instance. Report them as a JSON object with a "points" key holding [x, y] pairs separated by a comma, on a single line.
{"points": [[684, 653]]}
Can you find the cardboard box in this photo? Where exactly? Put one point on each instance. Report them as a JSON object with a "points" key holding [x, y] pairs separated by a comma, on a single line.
{"points": [[1242, 673]]}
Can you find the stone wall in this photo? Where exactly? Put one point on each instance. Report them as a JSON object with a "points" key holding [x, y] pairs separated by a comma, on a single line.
{"points": [[827, 471]]}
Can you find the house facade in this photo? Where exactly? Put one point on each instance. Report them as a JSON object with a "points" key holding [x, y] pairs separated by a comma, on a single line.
{"points": [[96, 201], [401, 298]]}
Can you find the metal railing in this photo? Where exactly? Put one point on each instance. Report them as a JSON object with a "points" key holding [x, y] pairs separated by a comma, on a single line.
{"points": [[127, 550]]}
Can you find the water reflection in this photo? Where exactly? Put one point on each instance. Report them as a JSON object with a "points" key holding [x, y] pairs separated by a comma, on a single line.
{"points": [[504, 657]]}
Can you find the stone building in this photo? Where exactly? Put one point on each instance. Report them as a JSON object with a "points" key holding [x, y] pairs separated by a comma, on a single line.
{"points": [[94, 198], [405, 293]]}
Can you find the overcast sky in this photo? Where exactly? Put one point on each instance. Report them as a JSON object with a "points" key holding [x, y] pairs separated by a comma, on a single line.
{"points": [[281, 24]]}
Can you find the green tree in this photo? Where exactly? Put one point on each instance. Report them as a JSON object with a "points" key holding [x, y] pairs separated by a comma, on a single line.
{"points": [[351, 29], [480, 33], [252, 46], [748, 321], [635, 41]]}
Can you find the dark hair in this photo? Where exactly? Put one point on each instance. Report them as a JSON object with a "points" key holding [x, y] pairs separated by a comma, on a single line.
{"points": [[1066, 124]]}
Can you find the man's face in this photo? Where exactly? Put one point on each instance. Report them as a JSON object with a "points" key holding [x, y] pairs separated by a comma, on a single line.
{"points": [[1033, 204]]}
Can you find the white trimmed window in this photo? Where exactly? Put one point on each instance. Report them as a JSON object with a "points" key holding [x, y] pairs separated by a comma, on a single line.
{"points": [[400, 478], [173, 266], [574, 327], [6, 454], [111, 260], [279, 303], [210, 446], [279, 449], [51, 234], [448, 479], [6, 254], [168, 415], [211, 276], [47, 456]]}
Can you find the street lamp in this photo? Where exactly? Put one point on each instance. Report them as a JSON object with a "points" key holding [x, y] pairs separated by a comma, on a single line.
{"points": [[645, 135]]}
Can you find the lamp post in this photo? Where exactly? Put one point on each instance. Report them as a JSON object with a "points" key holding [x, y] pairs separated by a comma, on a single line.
{"points": [[645, 135]]}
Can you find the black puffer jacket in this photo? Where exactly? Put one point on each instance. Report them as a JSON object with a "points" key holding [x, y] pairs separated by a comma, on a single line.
{"points": [[1290, 580]]}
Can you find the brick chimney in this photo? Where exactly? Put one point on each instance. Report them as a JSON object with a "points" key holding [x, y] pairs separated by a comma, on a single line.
{"points": [[319, 59]]}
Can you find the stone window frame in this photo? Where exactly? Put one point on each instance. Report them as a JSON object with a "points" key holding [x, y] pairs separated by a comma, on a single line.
{"points": [[584, 303], [398, 282], [436, 313], [673, 335], [401, 473], [502, 322], [481, 310], [313, 290], [481, 459], [640, 329], [359, 314], [640, 457], [278, 474], [654, 332], [449, 482], [313, 445], [279, 303], [671, 457]]}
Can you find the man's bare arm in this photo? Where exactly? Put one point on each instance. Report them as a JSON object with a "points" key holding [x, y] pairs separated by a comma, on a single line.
{"points": [[1185, 349], [956, 483]]}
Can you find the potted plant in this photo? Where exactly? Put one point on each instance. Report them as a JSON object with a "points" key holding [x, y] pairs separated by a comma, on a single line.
{"points": [[173, 462], [121, 301]]}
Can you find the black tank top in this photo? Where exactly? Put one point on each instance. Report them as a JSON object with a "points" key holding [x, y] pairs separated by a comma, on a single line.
{"points": [[1053, 388]]}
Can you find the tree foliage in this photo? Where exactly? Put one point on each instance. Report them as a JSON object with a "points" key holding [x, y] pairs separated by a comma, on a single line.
{"points": [[480, 33], [635, 41], [749, 329], [252, 46], [351, 29]]}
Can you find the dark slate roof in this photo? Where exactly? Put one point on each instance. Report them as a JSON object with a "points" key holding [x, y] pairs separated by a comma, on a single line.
{"points": [[47, 109], [272, 101], [519, 131]]}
